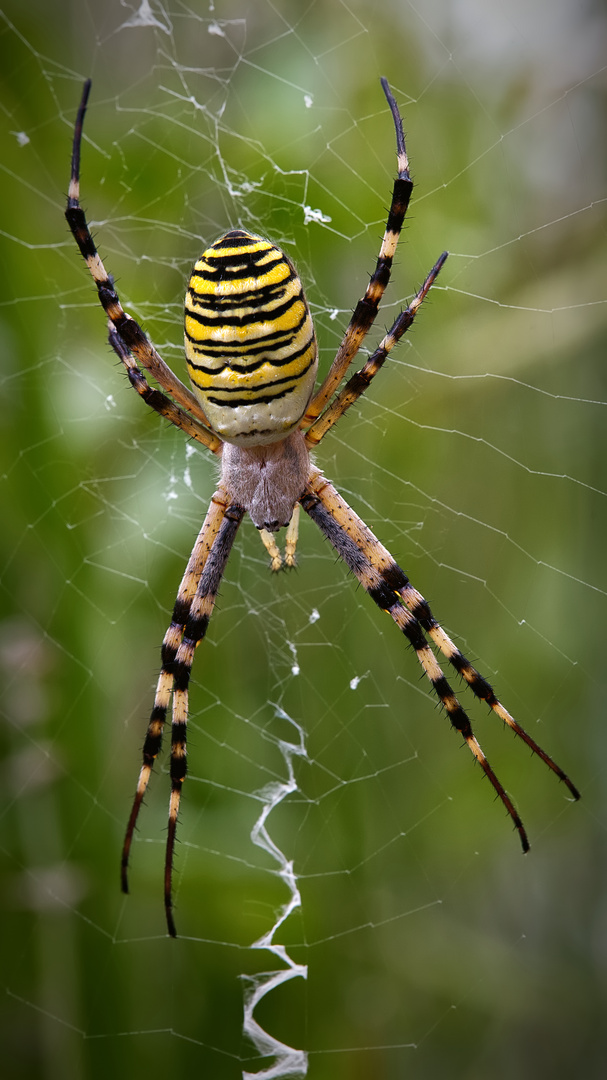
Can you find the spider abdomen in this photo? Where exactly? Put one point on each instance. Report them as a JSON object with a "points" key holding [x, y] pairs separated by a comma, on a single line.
{"points": [[249, 340]]}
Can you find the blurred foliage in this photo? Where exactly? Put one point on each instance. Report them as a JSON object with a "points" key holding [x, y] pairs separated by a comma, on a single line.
{"points": [[478, 459]]}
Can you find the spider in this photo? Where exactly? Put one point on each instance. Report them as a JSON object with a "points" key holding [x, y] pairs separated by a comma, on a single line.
{"points": [[252, 357]]}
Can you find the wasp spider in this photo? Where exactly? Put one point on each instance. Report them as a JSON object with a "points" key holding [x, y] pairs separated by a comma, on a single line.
{"points": [[252, 357]]}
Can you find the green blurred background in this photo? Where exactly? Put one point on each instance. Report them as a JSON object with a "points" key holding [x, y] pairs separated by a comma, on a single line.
{"points": [[434, 949]]}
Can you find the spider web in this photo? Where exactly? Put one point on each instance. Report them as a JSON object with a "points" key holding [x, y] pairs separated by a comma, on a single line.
{"points": [[343, 879]]}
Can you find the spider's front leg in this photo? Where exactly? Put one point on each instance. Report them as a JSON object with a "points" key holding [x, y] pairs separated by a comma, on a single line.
{"points": [[191, 616], [392, 591], [195, 629]]}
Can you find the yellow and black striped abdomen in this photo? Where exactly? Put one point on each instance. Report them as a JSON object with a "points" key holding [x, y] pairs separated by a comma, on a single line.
{"points": [[249, 340]]}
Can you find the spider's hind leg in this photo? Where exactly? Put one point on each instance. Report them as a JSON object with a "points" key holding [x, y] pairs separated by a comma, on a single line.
{"points": [[182, 407]]}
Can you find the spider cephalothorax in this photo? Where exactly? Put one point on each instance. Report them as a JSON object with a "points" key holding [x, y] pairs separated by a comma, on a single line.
{"points": [[252, 357]]}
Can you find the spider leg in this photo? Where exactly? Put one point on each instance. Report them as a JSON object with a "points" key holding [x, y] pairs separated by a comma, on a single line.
{"points": [[359, 382], [194, 631], [389, 587], [170, 645], [365, 311], [156, 399], [420, 609], [128, 336]]}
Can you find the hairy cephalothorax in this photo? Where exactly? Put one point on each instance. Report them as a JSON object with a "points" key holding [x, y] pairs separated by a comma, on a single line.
{"points": [[267, 480]]}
